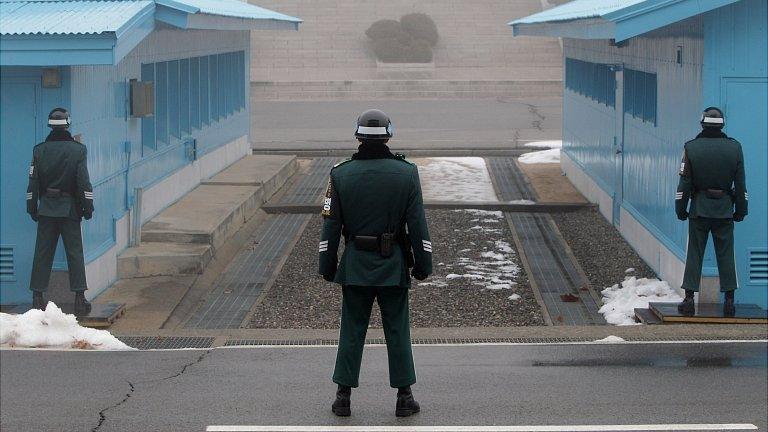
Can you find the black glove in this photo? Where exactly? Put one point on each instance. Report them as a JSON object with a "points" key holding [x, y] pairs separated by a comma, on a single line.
{"points": [[329, 277], [683, 215], [738, 217], [34, 216], [418, 275], [87, 215]]}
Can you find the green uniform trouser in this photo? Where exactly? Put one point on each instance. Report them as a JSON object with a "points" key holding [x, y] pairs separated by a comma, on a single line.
{"points": [[722, 235], [355, 315], [48, 231]]}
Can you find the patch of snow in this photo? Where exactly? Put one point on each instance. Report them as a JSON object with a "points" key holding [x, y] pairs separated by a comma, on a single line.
{"points": [[503, 246], [498, 286], [514, 297], [545, 144], [52, 328], [487, 213], [455, 179], [630, 270], [493, 255], [490, 221], [620, 301], [551, 156], [610, 339], [465, 276]]}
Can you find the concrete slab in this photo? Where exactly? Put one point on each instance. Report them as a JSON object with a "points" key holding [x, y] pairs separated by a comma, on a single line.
{"points": [[156, 259], [550, 184], [208, 214], [148, 301], [268, 171]]}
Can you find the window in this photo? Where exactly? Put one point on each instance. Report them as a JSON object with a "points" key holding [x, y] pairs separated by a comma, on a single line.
{"points": [[640, 95], [592, 80], [161, 103], [193, 93], [148, 123], [184, 102]]}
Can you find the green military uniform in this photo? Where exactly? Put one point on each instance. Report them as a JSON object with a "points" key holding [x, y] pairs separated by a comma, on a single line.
{"points": [[58, 196], [712, 179], [366, 199]]}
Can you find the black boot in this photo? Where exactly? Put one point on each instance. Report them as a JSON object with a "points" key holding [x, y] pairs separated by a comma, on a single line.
{"points": [[82, 306], [342, 405], [687, 307], [406, 404], [729, 308], [38, 302]]}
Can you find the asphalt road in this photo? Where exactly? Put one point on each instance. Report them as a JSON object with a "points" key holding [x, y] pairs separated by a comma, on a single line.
{"points": [[422, 124], [189, 390]]}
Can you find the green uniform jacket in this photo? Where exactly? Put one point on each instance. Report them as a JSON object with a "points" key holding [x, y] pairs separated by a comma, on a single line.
{"points": [[712, 163], [60, 165], [372, 197]]}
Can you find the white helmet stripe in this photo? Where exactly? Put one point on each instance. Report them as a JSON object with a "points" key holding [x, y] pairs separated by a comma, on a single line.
{"points": [[712, 120], [54, 122], [372, 130]]}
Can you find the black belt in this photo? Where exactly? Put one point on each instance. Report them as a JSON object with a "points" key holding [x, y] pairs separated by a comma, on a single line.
{"points": [[381, 243]]}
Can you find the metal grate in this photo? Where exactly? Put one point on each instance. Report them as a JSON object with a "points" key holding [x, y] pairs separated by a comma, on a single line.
{"points": [[309, 188], [159, 342], [241, 283], [7, 264], [758, 266], [509, 180], [459, 341]]}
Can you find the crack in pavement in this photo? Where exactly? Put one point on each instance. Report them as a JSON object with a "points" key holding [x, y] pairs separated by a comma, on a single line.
{"points": [[132, 390]]}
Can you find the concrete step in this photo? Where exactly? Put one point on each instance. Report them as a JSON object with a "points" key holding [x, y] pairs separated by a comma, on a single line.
{"points": [[163, 259], [183, 238]]}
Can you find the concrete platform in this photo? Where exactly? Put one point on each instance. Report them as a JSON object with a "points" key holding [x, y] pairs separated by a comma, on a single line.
{"points": [[710, 313], [158, 259], [208, 214], [268, 171]]}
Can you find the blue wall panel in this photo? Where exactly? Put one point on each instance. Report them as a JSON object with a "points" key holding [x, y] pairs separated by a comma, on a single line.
{"points": [[736, 79]]}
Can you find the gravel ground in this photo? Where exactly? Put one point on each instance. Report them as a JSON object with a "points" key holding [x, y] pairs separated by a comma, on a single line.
{"points": [[601, 251], [478, 281]]}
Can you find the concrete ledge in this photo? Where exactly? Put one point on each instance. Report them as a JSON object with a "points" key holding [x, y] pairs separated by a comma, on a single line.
{"points": [[159, 259], [268, 172], [445, 205], [208, 214]]}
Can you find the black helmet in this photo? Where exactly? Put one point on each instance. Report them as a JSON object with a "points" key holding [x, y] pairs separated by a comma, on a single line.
{"points": [[712, 118], [373, 125], [58, 119]]}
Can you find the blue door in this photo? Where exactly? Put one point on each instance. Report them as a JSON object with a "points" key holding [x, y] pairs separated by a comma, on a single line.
{"points": [[746, 113], [18, 135]]}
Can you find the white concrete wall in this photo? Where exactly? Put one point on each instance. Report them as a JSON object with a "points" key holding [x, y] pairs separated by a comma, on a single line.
{"points": [[102, 272]]}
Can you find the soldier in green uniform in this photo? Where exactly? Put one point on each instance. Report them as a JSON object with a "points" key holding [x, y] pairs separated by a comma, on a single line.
{"points": [[374, 200], [58, 196], [712, 179]]}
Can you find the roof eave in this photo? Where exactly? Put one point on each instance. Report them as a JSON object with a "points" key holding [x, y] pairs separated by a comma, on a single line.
{"points": [[186, 19], [106, 48], [591, 28]]}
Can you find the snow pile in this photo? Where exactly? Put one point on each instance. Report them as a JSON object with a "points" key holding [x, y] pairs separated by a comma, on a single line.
{"points": [[610, 339], [491, 265], [53, 328], [545, 144], [551, 156], [455, 179], [619, 302], [514, 297]]}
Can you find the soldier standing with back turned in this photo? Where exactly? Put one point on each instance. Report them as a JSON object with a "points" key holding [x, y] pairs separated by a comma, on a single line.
{"points": [[712, 178], [59, 180], [371, 200]]}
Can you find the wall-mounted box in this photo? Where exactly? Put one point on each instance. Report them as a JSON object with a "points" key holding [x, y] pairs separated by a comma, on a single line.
{"points": [[142, 98]]}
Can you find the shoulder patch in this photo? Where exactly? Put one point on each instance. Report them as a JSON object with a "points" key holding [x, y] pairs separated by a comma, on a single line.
{"points": [[342, 163]]}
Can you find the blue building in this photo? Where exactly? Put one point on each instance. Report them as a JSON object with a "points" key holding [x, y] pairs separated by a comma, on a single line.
{"points": [[637, 75], [157, 90]]}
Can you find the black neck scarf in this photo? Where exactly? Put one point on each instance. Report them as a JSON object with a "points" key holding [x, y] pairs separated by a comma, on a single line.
{"points": [[372, 150], [59, 135], [711, 133]]}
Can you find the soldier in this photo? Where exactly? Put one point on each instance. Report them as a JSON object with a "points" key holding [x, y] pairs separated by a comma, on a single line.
{"points": [[712, 178], [58, 178], [371, 199]]}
